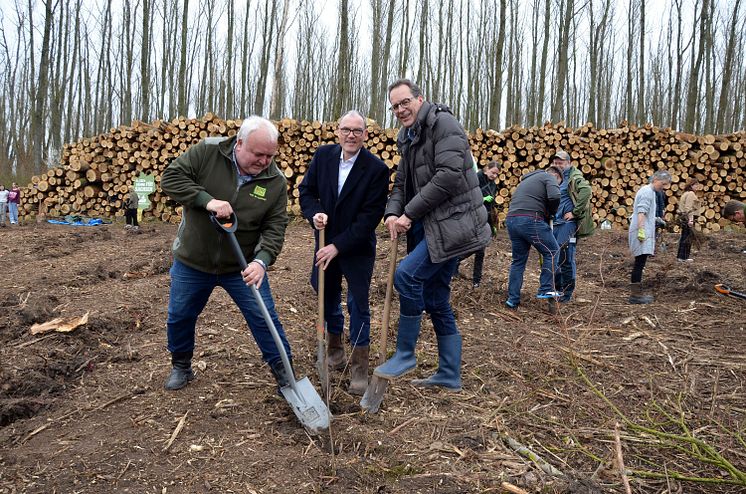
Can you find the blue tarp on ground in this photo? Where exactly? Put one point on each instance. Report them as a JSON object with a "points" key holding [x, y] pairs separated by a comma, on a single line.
{"points": [[74, 220]]}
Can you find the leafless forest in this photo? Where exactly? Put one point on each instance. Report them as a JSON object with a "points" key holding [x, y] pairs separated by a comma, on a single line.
{"points": [[72, 69]]}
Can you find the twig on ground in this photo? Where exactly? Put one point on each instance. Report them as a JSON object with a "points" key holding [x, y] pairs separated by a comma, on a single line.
{"points": [[540, 462], [179, 426], [512, 489], [620, 459]]}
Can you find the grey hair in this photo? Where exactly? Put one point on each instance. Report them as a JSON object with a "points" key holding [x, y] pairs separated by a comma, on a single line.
{"points": [[662, 175], [354, 113], [254, 123], [413, 88]]}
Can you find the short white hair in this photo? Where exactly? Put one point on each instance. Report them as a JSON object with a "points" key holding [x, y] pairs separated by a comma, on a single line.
{"points": [[354, 113], [254, 123]]}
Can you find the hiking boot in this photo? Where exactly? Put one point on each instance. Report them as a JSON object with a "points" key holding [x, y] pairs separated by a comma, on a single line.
{"points": [[335, 351], [638, 295], [358, 370], [181, 371]]}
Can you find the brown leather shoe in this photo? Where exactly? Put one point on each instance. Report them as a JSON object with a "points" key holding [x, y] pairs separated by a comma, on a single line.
{"points": [[358, 371], [336, 352]]}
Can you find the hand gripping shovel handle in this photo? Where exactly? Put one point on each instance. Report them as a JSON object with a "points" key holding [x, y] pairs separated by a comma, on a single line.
{"points": [[726, 290], [229, 227], [321, 363], [376, 390]]}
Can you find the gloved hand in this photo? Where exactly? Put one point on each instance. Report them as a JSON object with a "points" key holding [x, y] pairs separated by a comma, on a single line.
{"points": [[641, 234], [494, 231], [488, 199], [660, 222]]}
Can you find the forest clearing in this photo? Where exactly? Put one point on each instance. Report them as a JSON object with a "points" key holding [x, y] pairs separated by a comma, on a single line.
{"points": [[86, 411]]}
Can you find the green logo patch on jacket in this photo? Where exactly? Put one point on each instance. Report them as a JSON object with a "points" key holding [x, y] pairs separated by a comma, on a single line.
{"points": [[259, 192]]}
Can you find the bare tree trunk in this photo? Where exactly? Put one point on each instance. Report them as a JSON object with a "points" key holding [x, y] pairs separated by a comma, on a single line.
{"points": [[641, 69], [145, 62], [564, 41], [268, 35], [72, 129], [424, 37], [690, 120], [628, 106], [497, 71], [676, 107], [342, 84], [543, 65], [38, 120], [278, 85], [728, 64], [182, 106], [246, 53]]}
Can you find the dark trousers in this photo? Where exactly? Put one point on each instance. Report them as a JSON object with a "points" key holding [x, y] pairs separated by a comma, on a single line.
{"points": [[685, 242], [638, 267], [130, 216]]}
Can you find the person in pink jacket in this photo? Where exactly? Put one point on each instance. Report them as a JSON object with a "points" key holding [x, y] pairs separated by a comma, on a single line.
{"points": [[14, 199]]}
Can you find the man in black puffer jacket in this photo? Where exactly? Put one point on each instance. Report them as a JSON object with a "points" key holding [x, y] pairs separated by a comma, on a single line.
{"points": [[436, 201]]}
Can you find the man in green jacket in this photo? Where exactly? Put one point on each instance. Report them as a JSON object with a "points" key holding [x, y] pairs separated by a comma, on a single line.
{"points": [[572, 221], [220, 176]]}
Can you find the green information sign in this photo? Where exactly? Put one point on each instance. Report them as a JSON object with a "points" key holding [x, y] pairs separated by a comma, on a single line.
{"points": [[144, 186]]}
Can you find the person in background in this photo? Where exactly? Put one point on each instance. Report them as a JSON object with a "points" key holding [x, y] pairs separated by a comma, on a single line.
{"points": [[222, 176], [661, 202], [689, 207], [642, 232], [3, 204], [437, 203], [344, 193], [573, 220], [487, 185], [735, 211], [533, 205], [14, 199], [130, 209]]}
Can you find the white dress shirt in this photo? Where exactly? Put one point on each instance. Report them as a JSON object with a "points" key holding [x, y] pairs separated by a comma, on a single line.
{"points": [[345, 167]]}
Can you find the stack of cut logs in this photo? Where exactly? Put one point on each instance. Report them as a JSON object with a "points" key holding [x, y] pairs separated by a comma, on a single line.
{"points": [[96, 172]]}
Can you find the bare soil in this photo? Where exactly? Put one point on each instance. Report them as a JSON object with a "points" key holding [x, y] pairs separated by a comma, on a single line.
{"points": [[86, 411]]}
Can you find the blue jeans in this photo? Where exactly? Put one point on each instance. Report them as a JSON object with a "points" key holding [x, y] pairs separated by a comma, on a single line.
{"points": [[13, 212], [358, 305], [426, 286], [524, 232], [564, 278], [190, 290]]}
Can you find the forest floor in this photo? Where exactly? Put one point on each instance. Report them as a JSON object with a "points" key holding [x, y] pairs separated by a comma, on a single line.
{"points": [[85, 411]]}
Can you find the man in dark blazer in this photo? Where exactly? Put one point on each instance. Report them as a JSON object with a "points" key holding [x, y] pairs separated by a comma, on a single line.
{"points": [[344, 192]]}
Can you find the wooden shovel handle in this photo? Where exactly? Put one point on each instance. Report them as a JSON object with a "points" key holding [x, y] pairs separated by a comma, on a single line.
{"points": [[393, 251], [320, 286]]}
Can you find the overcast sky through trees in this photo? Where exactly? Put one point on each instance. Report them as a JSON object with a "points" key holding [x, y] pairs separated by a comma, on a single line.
{"points": [[89, 65]]}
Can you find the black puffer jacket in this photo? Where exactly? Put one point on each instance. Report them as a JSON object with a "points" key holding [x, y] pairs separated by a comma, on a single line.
{"points": [[437, 184]]}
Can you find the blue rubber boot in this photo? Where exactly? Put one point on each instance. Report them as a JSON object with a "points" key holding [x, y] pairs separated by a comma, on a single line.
{"points": [[449, 365], [403, 360]]}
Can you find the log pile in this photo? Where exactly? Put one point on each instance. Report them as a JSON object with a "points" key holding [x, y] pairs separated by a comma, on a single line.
{"points": [[95, 173]]}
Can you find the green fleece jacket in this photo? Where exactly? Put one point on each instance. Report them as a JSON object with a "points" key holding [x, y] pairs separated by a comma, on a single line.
{"points": [[580, 194], [205, 172]]}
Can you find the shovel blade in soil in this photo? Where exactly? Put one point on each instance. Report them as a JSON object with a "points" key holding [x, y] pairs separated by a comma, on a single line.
{"points": [[307, 405], [374, 394]]}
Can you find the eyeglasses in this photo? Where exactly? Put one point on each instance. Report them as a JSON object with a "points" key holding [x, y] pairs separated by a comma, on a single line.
{"points": [[345, 131], [402, 104]]}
